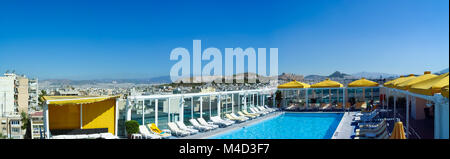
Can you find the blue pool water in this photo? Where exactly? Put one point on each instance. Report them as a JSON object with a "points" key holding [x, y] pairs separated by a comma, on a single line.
{"points": [[289, 126]]}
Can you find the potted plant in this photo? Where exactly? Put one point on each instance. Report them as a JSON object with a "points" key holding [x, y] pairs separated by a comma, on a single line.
{"points": [[131, 127]]}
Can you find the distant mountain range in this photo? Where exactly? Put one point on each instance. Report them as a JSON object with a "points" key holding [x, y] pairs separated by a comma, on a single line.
{"points": [[373, 75], [337, 74], [155, 80]]}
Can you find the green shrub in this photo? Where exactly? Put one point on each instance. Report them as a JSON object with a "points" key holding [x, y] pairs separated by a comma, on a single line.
{"points": [[132, 127]]}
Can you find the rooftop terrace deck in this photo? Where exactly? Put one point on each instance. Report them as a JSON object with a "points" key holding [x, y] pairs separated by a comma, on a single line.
{"points": [[344, 129]]}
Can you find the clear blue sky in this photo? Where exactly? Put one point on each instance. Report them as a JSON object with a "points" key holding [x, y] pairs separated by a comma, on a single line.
{"points": [[128, 39]]}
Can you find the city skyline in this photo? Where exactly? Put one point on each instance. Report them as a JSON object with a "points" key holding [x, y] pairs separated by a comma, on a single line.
{"points": [[95, 40]]}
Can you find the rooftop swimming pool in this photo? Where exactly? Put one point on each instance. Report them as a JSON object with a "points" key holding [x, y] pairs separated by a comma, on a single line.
{"points": [[289, 126]]}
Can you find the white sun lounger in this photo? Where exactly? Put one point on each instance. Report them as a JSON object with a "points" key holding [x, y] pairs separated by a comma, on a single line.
{"points": [[239, 117], [254, 111], [186, 128], [198, 126], [273, 109], [248, 116], [264, 109], [203, 122], [146, 133], [246, 112], [178, 132], [225, 120], [221, 122], [230, 117]]}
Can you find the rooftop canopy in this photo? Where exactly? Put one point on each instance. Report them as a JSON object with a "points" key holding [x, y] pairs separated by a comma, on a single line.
{"points": [[431, 86], [363, 83], [445, 91], [327, 84], [408, 83], [391, 81], [395, 82], [294, 84], [74, 100]]}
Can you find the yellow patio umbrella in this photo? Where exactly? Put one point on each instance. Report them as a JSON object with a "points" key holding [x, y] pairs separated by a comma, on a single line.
{"points": [[445, 91], [327, 84], [397, 81], [398, 132], [294, 84], [391, 81], [363, 82], [431, 86], [406, 84]]}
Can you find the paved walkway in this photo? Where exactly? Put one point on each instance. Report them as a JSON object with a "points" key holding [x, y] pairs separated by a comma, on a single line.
{"points": [[205, 135], [344, 129]]}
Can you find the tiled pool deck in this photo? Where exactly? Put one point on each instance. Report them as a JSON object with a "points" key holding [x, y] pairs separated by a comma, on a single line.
{"points": [[344, 129]]}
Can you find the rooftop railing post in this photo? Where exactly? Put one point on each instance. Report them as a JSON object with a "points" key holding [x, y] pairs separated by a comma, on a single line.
{"points": [[192, 107], [168, 115], [407, 116], [218, 106], [307, 98], [116, 124], [344, 100], [273, 100], [395, 105], [210, 105], [232, 103], [257, 99], [201, 106], [263, 99], [81, 116], [143, 112], [46, 122], [181, 108], [156, 112]]}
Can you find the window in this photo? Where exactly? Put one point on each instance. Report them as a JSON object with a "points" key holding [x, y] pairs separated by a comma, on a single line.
{"points": [[235, 102], [187, 110], [196, 107], [205, 108], [15, 130], [163, 113], [136, 112], [15, 122], [174, 108], [214, 101], [149, 111]]}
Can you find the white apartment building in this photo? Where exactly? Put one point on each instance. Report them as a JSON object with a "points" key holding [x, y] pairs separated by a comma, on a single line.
{"points": [[7, 96], [15, 98], [8, 106]]}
